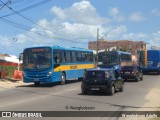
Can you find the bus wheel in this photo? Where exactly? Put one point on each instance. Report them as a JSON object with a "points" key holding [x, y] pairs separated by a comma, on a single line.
{"points": [[36, 83], [63, 79]]}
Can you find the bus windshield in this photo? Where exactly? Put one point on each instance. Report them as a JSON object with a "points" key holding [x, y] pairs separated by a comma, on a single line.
{"points": [[37, 58], [108, 59]]}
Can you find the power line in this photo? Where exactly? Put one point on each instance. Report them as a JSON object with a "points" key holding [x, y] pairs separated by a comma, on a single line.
{"points": [[23, 3], [34, 38], [15, 24], [26, 28], [22, 26], [42, 27], [27, 8], [15, 12], [18, 1], [26, 18], [4, 4]]}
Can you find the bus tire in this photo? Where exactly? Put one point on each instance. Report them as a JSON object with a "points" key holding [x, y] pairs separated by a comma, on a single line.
{"points": [[36, 83], [63, 78]]}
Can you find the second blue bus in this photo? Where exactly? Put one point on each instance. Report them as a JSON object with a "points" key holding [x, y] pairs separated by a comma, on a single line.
{"points": [[114, 59]]}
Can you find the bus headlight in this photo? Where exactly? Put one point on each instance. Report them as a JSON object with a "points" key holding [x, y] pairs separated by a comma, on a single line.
{"points": [[116, 67], [158, 64], [49, 73]]}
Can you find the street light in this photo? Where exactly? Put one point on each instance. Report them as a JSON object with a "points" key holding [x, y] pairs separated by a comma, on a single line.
{"points": [[102, 37], [108, 32]]}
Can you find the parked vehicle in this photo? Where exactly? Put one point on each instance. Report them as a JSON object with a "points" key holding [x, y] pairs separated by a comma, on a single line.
{"points": [[103, 80], [131, 72]]}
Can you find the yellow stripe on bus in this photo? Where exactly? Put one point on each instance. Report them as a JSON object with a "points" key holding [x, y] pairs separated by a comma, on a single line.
{"points": [[73, 67]]}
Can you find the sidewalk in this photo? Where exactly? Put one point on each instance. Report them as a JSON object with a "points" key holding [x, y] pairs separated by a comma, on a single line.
{"points": [[152, 104]]}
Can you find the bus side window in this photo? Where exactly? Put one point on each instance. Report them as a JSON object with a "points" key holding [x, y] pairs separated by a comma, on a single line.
{"points": [[57, 56], [63, 57], [68, 56], [73, 56], [79, 57], [83, 56], [89, 57], [56, 59]]}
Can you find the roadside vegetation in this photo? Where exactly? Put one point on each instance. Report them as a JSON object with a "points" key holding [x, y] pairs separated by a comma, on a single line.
{"points": [[9, 70]]}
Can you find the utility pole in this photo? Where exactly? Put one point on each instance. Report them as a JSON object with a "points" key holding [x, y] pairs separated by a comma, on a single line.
{"points": [[97, 48]]}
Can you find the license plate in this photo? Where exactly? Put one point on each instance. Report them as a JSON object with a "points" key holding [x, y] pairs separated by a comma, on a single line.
{"points": [[94, 88], [127, 72], [36, 79]]}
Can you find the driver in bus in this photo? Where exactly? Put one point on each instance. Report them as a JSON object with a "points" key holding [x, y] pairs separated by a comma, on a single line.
{"points": [[56, 59]]}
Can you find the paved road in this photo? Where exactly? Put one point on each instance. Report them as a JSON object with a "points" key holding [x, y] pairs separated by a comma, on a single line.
{"points": [[61, 97]]}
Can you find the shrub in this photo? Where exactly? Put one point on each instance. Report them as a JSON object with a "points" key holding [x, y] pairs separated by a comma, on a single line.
{"points": [[9, 70]]}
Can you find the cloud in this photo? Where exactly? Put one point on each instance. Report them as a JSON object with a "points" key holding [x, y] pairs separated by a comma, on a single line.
{"points": [[82, 12], [135, 36], [75, 26], [116, 14], [155, 38], [114, 11], [156, 12], [60, 14], [137, 17], [70, 26], [5, 41]]}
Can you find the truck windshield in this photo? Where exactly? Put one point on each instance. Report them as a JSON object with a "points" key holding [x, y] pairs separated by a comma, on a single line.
{"points": [[37, 58]]}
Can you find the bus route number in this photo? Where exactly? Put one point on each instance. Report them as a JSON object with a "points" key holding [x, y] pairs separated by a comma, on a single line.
{"points": [[73, 67]]}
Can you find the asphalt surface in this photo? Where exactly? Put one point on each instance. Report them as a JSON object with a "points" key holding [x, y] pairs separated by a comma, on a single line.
{"points": [[55, 97]]}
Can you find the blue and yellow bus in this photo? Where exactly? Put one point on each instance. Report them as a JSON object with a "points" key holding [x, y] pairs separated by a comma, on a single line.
{"points": [[149, 61], [114, 59], [54, 63]]}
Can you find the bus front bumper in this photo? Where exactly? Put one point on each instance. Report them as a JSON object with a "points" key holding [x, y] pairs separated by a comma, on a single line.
{"points": [[44, 79], [150, 69]]}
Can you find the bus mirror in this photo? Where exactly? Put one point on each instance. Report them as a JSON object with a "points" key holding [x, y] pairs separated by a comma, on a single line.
{"points": [[20, 56]]}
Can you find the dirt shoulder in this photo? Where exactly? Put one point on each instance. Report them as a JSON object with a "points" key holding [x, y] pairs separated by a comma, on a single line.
{"points": [[11, 83]]}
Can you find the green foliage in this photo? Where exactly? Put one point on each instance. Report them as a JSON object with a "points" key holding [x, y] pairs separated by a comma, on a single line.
{"points": [[9, 70]]}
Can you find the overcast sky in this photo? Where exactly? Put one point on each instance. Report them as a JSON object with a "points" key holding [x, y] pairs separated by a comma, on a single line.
{"points": [[68, 23]]}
